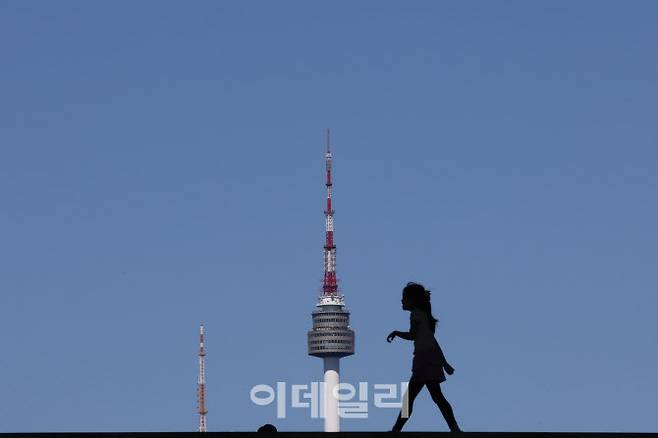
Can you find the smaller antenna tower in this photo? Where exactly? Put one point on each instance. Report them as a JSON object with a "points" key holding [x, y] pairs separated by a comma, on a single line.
{"points": [[202, 384]]}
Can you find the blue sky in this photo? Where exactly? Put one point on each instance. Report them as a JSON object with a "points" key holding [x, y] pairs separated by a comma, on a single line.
{"points": [[161, 164]]}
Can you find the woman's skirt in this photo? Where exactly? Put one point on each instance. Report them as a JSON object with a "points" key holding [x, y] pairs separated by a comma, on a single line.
{"points": [[427, 365]]}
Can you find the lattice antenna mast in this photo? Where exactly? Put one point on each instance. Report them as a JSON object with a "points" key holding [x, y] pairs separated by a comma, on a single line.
{"points": [[329, 282], [202, 383]]}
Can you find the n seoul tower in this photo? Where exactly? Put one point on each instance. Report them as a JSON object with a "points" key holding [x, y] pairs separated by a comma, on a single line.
{"points": [[331, 336]]}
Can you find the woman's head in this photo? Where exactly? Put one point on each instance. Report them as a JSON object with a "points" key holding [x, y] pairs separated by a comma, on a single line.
{"points": [[415, 296]]}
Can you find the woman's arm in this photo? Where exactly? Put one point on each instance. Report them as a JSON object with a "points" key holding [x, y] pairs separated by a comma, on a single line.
{"points": [[405, 335], [409, 336]]}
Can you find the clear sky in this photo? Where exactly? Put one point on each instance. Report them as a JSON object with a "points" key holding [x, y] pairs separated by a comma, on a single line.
{"points": [[161, 164]]}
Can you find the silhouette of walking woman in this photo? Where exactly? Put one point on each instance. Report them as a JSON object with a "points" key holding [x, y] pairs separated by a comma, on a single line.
{"points": [[429, 361]]}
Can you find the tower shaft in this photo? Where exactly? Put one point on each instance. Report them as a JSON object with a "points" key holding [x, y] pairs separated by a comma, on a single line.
{"points": [[331, 382]]}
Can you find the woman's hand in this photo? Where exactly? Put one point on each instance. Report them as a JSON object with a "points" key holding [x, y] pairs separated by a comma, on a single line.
{"points": [[391, 336], [448, 368]]}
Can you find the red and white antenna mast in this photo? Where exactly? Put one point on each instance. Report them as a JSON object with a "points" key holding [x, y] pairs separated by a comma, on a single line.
{"points": [[329, 281], [202, 384]]}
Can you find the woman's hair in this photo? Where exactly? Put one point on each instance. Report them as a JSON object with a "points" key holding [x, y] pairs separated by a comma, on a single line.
{"points": [[420, 298]]}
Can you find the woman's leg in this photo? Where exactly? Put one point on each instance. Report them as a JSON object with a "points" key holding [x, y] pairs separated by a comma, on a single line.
{"points": [[440, 400], [412, 391]]}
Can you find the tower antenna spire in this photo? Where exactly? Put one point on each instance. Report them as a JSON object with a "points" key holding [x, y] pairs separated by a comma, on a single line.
{"points": [[329, 281], [203, 427]]}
